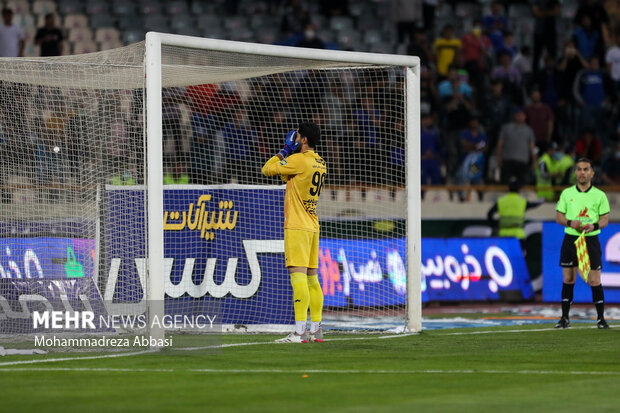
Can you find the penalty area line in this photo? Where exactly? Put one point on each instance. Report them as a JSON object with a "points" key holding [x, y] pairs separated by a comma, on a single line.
{"points": [[310, 371]]}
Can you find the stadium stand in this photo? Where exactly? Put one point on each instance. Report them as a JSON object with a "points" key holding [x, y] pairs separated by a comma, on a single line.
{"points": [[368, 25]]}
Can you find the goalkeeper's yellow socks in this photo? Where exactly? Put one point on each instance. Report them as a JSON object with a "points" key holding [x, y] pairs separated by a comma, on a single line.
{"points": [[316, 302], [301, 298]]}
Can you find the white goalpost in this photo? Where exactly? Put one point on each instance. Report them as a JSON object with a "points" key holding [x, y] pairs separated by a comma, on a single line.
{"points": [[134, 189], [156, 68]]}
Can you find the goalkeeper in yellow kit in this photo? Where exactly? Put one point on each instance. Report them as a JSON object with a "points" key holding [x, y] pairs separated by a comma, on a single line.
{"points": [[304, 173]]}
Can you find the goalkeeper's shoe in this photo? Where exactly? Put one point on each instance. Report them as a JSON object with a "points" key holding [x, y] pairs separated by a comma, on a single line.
{"points": [[602, 324], [563, 323], [295, 338], [317, 336]]}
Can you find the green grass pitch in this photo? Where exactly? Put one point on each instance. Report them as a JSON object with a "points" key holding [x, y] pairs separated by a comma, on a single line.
{"points": [[503, 369]]}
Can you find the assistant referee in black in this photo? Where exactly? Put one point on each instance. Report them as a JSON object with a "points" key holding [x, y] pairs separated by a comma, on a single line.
{"points": [[582, 207]]}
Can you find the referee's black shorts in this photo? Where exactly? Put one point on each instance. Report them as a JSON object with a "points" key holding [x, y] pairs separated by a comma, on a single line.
{"points": [[568, 254]]}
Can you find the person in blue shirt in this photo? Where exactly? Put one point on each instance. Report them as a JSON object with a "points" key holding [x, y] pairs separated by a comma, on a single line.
{"points": [[593, 90], [473, 143], [430, 152], [496, 20], [587, 40]]}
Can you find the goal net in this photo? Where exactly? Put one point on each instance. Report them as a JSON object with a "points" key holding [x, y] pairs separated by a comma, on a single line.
{"points": [[132, 185]]}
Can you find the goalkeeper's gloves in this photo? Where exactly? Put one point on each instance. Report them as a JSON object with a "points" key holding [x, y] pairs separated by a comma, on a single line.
{"points": [[289, 145]]}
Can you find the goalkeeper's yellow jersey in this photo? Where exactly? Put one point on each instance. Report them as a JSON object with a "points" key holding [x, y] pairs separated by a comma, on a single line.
{"points": [[305, 175]]}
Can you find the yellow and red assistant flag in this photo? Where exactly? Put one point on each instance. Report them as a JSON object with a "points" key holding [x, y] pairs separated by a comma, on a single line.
{"points": [[583, 258]]}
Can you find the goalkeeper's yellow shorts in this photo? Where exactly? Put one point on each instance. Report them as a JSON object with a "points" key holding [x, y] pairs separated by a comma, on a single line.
{"points": [[301, 248]]}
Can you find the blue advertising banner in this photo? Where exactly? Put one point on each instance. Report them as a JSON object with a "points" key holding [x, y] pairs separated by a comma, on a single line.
{"points": [[553, 234], [40, 274], [22, 297], [220, 243], [363, 272], [477, 269], [372, 272], [58, 258], [225, 244]]}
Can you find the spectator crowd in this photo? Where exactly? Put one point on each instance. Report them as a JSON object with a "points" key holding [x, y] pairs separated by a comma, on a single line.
{"points": [[498, 103]]}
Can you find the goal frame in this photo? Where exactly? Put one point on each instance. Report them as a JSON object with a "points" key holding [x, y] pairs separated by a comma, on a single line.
{"points": [[154, 183]]}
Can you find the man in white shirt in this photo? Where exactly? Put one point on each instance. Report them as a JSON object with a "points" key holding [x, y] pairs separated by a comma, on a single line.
{"points": [[612, 58], [11, 36]]}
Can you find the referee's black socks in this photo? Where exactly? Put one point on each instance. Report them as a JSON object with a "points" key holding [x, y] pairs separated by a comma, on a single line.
{"points": [[599, 301], [567, 298]]}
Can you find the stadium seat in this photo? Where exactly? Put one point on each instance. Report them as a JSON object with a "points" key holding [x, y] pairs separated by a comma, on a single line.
{"points": [[328, 36], [107, 34], [444, 11], [214, 33], [357, 9], [467, 10], [70, 6], [341, 23], [569, 9], [132, 36], [520, 11], [66, 48], [97, 8], [201, 7], [187, 31], [75, 21], [176, 8], [19, 6], [123, 8], [349, 38], [366, 22], [84, 46], [31, 50], [102, 20], [319, 20], [156, 23], [130, 21], [151, 9], [477, 231], [372, 37], [43, 7], [29, 34], [80, 34], [208, 21], [182, 22], [267, 36], [262, 22], [244, 34], [25, 20], [234, 23], [382, 47]]}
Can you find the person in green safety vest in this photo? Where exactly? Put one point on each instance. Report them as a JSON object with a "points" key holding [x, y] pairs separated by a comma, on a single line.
{"points": [[511, 208], [178, 176], [547, 172]]}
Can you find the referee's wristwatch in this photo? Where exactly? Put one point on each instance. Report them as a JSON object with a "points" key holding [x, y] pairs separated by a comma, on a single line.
{"points": [[568, 222]]}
